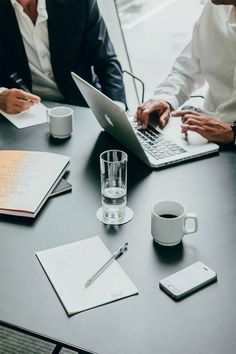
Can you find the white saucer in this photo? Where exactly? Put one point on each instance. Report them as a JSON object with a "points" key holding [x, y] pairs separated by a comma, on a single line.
{"points": [[126, 218]]}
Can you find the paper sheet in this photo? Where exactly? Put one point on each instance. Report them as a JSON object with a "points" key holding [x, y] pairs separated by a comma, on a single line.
{"points": [[34, 116], [70, 266]]}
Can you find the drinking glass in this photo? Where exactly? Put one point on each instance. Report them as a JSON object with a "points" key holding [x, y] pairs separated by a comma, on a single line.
{"points": [[113, 168]]}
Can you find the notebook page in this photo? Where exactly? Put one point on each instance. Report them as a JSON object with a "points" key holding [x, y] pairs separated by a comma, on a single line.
{"points": [[34, 116], [69, 267]]}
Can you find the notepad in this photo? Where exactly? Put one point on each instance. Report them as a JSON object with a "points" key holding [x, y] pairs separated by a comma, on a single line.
{"points": [[27, 179], [68, 267], [33, 116]]}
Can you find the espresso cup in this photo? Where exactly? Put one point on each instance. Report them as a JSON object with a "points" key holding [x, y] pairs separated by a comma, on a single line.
{"points": [[168, 222], [60, 121]]}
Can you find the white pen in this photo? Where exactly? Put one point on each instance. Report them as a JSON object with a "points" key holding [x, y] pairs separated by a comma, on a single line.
{"points": [[116, 254]]}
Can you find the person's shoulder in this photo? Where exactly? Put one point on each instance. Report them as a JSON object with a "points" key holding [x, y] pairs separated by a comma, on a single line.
{"points": [[73, 5], [79, 3], [214, 13], [74, 2], [209, 7], [212, 8]]}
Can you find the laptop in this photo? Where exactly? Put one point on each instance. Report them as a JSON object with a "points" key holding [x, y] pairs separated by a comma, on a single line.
{"points": [[154, 146]]}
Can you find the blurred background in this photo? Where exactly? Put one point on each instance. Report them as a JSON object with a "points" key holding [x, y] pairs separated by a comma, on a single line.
{"points": [[153, 33]]}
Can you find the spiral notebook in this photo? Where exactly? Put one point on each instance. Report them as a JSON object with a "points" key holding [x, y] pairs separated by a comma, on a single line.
{"points": [[68, 267]]}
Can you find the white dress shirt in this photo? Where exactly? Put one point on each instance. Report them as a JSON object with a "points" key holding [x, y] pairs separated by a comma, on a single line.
{"points": [[36, 43], [209, 57]]}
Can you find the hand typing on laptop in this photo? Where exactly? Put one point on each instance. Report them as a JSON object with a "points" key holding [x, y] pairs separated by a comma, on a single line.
{"points": [[158, 110], [155, 147], [193, 120], [206, 126], [15, 100]]}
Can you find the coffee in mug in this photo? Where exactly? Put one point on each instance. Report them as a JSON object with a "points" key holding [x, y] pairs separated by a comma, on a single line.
{"points": [[168, 222]]}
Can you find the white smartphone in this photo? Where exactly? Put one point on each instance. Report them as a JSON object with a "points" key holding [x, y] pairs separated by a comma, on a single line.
{"points": [[188, 280]]}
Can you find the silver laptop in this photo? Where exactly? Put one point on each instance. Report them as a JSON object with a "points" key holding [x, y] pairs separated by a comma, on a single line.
{"points": [[154, 146]]}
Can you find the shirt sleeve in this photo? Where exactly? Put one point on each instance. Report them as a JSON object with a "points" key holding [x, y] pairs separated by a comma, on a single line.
{"points": [[103, 58], [2, 89], [185, 76]]}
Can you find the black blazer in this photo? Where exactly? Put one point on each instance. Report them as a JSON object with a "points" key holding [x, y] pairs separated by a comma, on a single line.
{"points": [[78, 41]]}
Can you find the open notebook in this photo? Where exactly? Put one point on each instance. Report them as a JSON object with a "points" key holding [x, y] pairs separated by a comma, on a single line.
{"points": [[68, 267]]}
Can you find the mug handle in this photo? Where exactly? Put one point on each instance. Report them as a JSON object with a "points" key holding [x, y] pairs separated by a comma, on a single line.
{"points": [[193, 217]]}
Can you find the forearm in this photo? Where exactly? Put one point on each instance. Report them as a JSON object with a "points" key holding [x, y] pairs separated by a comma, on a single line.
{"points": [[210, 128], [111, 79], [185, 76]]}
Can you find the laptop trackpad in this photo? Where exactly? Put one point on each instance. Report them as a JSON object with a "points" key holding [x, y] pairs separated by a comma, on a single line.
{"points": [[195, 139]]}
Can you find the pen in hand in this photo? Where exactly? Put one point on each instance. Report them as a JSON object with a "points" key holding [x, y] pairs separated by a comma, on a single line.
{"points": [[19, 82], [116, 254]]}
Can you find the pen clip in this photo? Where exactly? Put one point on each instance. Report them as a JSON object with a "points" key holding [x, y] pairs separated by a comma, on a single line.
{"points": [[121, 249], [116, 254], [18, 81]]}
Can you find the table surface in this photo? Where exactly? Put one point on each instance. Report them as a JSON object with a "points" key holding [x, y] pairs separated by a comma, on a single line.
{"points": [[150, 322]]}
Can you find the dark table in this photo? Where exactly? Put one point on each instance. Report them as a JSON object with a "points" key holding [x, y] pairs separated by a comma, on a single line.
{"points": [[150, 322]]}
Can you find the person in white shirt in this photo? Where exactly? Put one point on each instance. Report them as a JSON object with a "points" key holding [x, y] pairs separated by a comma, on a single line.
{"points": [[209, 58], [42, 41]]}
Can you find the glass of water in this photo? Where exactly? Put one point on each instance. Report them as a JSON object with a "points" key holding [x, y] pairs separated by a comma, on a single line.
{"points": [[113, 168]]}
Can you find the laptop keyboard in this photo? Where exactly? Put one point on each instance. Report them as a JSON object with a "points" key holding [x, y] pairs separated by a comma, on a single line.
{"points": [[156, 144]]}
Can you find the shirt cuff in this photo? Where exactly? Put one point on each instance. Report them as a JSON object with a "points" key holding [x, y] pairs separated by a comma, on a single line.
{"points": [[2, 89], [172, 100]]}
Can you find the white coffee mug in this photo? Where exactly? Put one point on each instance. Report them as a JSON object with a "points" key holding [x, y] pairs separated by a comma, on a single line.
{"points": [[60, 121], [168, 222]]}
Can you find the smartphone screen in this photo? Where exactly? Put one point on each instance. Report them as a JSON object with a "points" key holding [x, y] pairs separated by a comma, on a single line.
{"points": [[188, 280]]}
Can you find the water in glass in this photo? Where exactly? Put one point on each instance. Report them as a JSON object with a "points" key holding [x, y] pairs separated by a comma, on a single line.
{"points": [[114, 202]]}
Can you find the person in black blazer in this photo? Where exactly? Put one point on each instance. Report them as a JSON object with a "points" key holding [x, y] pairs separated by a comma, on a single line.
{"points": [[78, 41]]}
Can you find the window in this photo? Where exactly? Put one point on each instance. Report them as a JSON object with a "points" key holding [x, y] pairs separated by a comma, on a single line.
{"points": [[151, 34]]}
